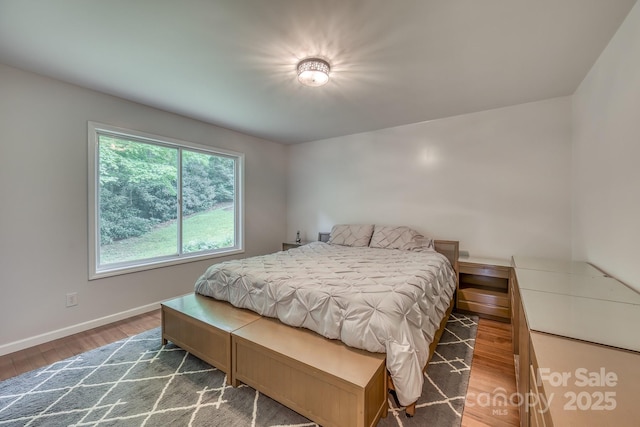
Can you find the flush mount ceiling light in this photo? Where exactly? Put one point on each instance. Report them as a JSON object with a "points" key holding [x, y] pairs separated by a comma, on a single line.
{"points": [[313, 72]]}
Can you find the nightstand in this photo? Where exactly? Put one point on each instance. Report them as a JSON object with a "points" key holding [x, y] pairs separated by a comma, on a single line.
{"points": [[483, 287], [290, 245]]}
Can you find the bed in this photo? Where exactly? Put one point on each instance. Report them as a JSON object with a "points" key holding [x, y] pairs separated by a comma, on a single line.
{"points": [[376, 288]]}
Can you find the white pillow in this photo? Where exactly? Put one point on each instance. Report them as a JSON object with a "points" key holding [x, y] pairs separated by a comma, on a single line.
{"points": [[389, 237], [351, 235]]}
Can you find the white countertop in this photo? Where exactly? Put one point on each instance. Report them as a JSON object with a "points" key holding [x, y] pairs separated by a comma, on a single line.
{"points": [[600, 321], [555, 265], [596, 287]]}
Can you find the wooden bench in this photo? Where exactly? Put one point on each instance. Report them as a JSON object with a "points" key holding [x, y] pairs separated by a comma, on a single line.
{"points": [[203, 327], [322, 379]]}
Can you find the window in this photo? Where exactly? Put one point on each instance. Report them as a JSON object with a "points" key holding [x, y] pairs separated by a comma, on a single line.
{"points": [[155, 201]]}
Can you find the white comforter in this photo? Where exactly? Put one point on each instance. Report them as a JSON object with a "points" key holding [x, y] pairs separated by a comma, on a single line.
{"points": [[381, 300]]}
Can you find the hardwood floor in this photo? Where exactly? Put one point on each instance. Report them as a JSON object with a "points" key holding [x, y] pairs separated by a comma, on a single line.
{"points": [[44, 354], [492, 376], [492, 369]]}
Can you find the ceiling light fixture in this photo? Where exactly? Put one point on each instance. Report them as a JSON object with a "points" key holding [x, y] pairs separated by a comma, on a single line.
{"points": [[313, 72]]}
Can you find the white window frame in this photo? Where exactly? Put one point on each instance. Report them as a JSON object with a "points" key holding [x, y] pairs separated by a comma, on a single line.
{"points": [[95, 270]]}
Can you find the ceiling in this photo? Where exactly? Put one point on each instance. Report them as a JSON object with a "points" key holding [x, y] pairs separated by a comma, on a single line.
{"points": [[232, 63]]}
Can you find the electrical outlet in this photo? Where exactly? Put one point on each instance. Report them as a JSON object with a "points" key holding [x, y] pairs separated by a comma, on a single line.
{"points": [[72, 299]]}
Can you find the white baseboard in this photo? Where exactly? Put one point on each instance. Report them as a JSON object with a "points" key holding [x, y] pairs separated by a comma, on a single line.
{"points": [[74, 329]]}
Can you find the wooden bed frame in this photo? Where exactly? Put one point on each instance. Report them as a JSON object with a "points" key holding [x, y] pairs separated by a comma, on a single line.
{"points": [[231, 339]]}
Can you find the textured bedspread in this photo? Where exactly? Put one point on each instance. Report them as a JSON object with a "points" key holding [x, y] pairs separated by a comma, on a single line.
{"points": [[381, 300]]}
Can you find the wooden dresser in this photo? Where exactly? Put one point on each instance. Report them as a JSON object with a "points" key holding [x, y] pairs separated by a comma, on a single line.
{"points": [[577, 345]]}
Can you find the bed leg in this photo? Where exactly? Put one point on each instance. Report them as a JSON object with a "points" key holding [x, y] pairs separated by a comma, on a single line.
{"points": [[392, 390], [410, 410]]}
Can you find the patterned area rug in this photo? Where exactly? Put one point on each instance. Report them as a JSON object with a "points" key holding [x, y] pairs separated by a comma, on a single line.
{"points": [[137, 382]]}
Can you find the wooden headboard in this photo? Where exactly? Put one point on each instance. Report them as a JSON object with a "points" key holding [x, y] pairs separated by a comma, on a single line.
{"points": [[451, 250]]}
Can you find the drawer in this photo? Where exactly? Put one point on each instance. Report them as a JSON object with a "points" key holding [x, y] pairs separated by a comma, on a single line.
{"points": [[485, 270], [290, 365], [207, 342], [477, 307], [484, 296], [535, 406]]}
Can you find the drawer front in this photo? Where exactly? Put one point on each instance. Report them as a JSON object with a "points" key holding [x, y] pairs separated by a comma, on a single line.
{"points": [[490, 298], [477, 307], [314, 393], [535, 404], [205, 341], [515, 306], [485, 270]]}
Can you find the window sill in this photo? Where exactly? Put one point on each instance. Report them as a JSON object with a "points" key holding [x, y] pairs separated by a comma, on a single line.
{"points": [[150, 265]]}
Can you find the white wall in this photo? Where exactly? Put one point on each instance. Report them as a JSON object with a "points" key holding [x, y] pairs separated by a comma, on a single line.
{"points": [[498, 180], [606, 150], [43, 204]]}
